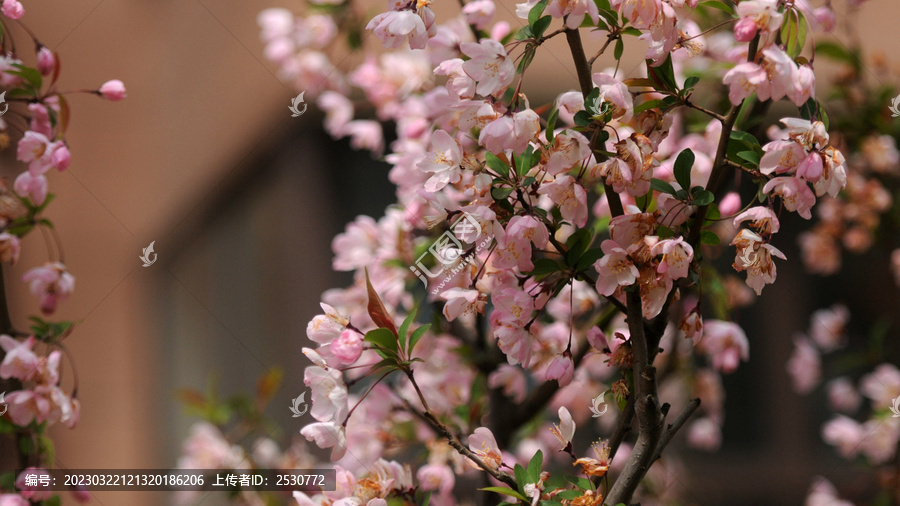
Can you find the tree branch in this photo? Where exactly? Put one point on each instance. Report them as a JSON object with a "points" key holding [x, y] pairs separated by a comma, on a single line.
{"points": [[675, 427]]}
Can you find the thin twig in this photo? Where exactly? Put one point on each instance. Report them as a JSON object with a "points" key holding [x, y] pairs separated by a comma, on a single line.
{"points": [[675, 426]]}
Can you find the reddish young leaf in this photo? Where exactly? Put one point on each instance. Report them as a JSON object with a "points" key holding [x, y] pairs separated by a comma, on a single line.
{"points": [[377, 311]]}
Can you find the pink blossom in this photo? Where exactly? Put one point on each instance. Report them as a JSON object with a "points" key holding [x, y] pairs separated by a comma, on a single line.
{"points": [[9, 248], [573, 11], [20, 361], [13, 500], [755, 256], [51, 283], [442, 161], [437, 477], [479, 13], [36, 149], [40, 119], [13, 9], [692, 326], [614, 269], [396, 26], [511, 379], [642, 13], [804, 86], [347, 347], [570, 196], [880, 443], [26, 406], [462, 302], [615, 92], [516, 342], [561, 369], [882, 385], [513, 132], [365, 134], [325, 328], [704, 434], [804, 367], [459, 84], [763, 219], [781, 70], [746, 79], [596, 338], [730, 204], [781, 157], [823, 493], [826, 17], [357, 246], [513, 251], [726, 344], [327, 435], [794, 193], [842, 395], [61, 156], [528, 228], [489, 65], [763, 13], [338, 112], [677, 256], [565, 431], [844, 433], [113, 90], [483, 444], [827, 326], [329, 394], [567, 150]]}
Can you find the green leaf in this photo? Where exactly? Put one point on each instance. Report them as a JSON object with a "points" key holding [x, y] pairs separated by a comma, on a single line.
{"points": [[527, 58], [745, 137], [582, 118], [716, 4], [384, 339], [533, 473], [663, 76], [620, 48], [30, 75], [750, 156], [592, 102], [505, 491], [703, 197], [415, 337], [709, 237], [646, 106], [630, 30], [683, 165], [588, 258], [690, 82], [524, 33], [541, 26], [662, 186], [501, 193], [404, 327], [535, 13], [578, 243], [551, 125], [838, 53], [519, 473], [496, 164], [544, 266]]}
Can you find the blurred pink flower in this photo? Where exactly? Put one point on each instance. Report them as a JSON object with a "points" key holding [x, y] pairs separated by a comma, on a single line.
{"points": [[51, 283]]}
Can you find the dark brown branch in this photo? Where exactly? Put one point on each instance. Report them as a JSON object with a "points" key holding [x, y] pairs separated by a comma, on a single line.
{"points": [[675, 427]]}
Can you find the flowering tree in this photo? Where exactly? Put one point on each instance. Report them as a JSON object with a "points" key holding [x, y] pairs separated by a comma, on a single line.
{"points": [[540, 254], [36, 113]]}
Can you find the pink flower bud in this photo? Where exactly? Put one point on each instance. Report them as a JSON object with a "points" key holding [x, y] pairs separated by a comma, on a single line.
{"points": [[348, 347], [46, 61], [745, 30], [561, 369], [61, 157], [826, 17], [113, 90], [12, 9], [730, 204]]}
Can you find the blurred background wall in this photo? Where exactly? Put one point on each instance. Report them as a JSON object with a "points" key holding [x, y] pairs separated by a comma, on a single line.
{"points": [[242, 201]]}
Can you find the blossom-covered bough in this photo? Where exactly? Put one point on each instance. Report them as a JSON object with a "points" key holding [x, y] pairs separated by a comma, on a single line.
{"points": [[551, 251], [36, 115]]}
